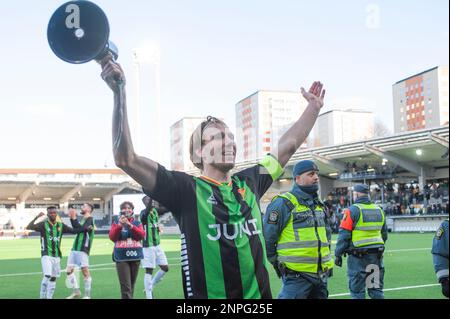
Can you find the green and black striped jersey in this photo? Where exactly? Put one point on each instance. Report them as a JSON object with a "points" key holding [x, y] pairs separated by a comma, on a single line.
{"points": [[51, 235], [222, 246], [83, 241], [150, 220]]}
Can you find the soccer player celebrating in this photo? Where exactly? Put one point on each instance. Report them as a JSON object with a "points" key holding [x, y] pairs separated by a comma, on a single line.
{"points": [[79, 255], [222, 252], [51, 231], [153, 253]]}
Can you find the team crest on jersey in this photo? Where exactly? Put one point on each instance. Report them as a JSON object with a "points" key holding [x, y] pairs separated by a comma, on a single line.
{"points": [[242, 192], [439, 233], [273, 217]]}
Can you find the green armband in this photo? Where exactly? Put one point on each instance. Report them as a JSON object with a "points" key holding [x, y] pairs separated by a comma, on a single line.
{"points": [[273, 167]]}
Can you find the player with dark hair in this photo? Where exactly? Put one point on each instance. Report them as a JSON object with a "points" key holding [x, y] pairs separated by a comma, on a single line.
{"points": [[79, 256], [51, 231], [153, 253]]}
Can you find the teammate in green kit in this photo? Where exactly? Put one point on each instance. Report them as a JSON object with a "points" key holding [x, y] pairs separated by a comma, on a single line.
{"points": [[51, 231], [153, 253], [79, 256]]}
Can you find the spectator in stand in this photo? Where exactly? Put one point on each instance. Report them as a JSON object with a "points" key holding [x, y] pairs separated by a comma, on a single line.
{"points": [[342, 201]]}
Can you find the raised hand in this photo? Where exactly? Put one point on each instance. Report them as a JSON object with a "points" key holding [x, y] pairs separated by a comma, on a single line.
{"points": [[72, 213], [112, 73], [315, 95]]}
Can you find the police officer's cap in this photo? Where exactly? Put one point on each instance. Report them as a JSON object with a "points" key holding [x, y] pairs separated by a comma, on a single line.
{"points": [[304, 166], [361, 188]]}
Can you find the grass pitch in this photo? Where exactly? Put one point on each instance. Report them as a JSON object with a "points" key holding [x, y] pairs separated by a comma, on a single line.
{"points": [[408, 263]]}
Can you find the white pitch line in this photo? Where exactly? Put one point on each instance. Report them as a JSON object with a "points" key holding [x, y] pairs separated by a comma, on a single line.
{"points": [[63, 270], [409, 249], [391, 289], [99, 265], [21, 274]]}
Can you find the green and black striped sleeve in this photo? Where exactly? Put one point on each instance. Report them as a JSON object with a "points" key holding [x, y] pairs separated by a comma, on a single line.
{"points": [[33, 226], [76, 225], [261, 176], [69, 230]]}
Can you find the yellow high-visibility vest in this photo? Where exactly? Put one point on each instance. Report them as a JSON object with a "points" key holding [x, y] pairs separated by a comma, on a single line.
{"points": [[303, 245], [367, 230]]}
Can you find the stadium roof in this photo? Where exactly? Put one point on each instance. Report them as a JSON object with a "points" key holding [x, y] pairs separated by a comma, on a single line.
{"points": [[62, 171], [80, 185], [399, 149], [62, 185]]}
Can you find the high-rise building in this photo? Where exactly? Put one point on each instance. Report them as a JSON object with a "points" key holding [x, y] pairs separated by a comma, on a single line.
{"points": [[262, 118], [180, 134], [421, 100], [342, 126]]}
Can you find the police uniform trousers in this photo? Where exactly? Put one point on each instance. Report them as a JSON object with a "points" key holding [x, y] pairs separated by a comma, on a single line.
{"points": [[303, 286], [365, 273]]}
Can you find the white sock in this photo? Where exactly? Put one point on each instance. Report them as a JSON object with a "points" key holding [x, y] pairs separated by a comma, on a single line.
{"points": [[148, 286], [44, 284], [87, 286], [51, 289], [73, 282], [158, 277]]}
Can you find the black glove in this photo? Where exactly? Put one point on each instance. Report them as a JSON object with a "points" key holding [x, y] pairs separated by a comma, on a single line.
{"points": [[277, 270], [330, 273], [444, 284], [338, 261]]}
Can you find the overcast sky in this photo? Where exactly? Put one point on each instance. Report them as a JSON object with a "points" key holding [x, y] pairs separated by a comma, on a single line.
{"points": [[213, 54]]}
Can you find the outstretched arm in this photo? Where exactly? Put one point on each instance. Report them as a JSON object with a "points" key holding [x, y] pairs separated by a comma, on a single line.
{"points": [[32, 225], [87, 226], [141, 169], [299, 131], [66, 229]]}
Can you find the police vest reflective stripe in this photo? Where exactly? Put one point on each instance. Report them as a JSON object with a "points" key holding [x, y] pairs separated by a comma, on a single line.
{"points": [[303, 245], [367, 230]]}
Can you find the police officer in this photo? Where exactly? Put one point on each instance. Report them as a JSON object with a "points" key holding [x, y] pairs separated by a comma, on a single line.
{"points": [[298, 237], [362, 235], [440, 256]]}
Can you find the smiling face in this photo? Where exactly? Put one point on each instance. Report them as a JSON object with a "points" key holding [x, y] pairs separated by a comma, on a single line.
{"points": [[218, 147], [126, 209], [212, 144]]}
